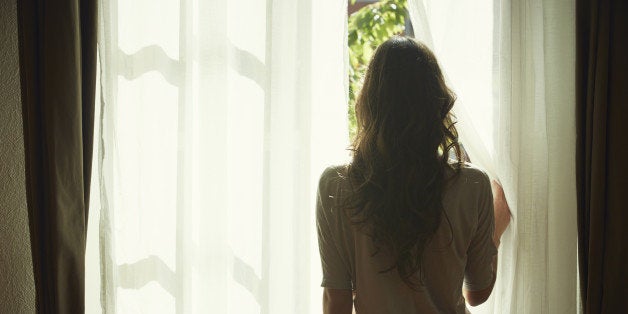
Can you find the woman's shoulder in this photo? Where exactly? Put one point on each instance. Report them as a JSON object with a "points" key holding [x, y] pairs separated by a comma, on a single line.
{"points": [[471, 174], [334, 173], [465, 192], [472, 171], [331, 182]]}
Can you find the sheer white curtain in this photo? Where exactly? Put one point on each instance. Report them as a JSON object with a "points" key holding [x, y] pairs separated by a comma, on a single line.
{"points": [[512, 64], [217, 118]]}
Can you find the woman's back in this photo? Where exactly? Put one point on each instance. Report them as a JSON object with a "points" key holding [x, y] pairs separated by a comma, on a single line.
{"points": [[460, 251], [406, 221]]}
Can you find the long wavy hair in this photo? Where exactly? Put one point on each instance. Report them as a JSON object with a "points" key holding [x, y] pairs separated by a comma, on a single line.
{"points": [[404, 142]]}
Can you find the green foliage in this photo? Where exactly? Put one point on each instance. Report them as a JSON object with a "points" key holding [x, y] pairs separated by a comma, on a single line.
{"points": [[368, 28]]}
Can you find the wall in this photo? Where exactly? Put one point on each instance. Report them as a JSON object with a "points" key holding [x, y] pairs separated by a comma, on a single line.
{"points": [[17, 288]]}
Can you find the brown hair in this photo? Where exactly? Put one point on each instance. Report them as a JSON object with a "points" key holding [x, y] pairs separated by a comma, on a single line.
{"points": [[404, 138]]}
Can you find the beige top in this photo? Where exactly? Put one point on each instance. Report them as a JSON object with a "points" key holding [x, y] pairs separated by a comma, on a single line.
{"points": [[462, 252]]}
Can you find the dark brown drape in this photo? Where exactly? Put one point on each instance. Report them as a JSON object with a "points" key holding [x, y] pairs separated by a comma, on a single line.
{"points": [[58, 70], [602, 154]]}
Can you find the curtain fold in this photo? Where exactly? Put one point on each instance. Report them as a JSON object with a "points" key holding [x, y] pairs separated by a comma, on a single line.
{"points": [[217, 119], [516, 120], [57, 69], [602, 151]]}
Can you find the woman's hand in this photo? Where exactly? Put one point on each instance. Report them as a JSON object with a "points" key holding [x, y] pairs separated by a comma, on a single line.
{"points": [[501, 209]]}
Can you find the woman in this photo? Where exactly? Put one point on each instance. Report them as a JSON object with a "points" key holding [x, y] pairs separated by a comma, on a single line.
{"points": [[407, 224]]}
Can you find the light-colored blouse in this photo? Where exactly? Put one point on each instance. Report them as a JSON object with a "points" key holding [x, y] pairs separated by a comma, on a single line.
{"points": [[461, 251]]}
